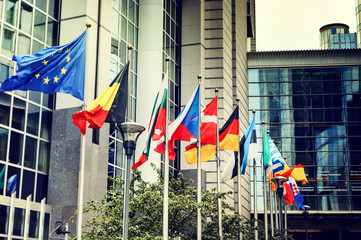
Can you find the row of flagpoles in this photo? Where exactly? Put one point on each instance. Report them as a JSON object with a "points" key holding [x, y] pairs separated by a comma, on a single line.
{"points": [[61, 69]]}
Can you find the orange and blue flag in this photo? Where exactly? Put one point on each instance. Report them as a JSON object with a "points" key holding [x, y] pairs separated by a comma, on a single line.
{"points": [[51, 70]]}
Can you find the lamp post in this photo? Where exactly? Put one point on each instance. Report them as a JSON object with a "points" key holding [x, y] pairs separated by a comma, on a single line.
{"points": [[130, 132], [305, 215], [279, 184]]}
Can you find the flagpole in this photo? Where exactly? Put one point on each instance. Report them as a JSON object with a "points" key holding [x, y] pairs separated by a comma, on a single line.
{"points": [[285, 211], [271, 205], [271, 210], [130, 47], [166, 164], [286, 221], [127, 165], [276, 210], [264, 193], [81, 175], [239, 185], [199, 171], [218, 175], [239, 180]]}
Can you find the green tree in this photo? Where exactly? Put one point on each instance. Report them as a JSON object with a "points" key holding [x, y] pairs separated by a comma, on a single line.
{"points": [[146, 212]]}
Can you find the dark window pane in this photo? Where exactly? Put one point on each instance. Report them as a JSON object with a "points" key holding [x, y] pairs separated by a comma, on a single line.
{"points": [[34, 224], [48, 100], [54, 8], [35, 96], [28, 184], [52, 33], [8, 45], [46, 118], [41, 187], [11, 11], [37, 46], [16, 146], [44, 155], [26, 17], [46, 225], [30, 152], [5, 100], [18, 114], [4, 216], [39, 26], [19, 219], [33, 119], [3, 143], [4, 73], [41, 4], [11, 172]]}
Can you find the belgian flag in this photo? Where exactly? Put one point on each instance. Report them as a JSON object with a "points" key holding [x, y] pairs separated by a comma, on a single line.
{"points": [[109, 107]]}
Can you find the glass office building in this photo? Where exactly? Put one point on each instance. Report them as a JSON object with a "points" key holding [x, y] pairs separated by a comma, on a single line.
{"points": [[313, 116], [25, 125]]}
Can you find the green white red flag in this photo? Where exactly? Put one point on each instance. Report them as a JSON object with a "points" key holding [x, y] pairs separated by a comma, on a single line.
{"points": [[156, 126]]}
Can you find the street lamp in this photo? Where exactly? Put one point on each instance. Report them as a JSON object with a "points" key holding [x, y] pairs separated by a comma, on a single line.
{"points": [[130, 132], [305, 215], [279, 184]]}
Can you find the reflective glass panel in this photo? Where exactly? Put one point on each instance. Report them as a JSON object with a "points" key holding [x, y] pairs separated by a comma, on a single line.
{"points": [[54, 8], [16, 147], [41, 4], [23, 44], [8, 45], [30, 152], [34, 224], [41, 187], [44, 154], [5, 101], [11, 11], [33, 119], [4, 215], [26, 17], [28, 184], [46, 119], [19, 221], [18, 120], [39, 25], [3, 143], [52, 33]]}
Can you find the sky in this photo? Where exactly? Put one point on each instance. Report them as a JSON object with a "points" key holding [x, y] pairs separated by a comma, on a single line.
{"points": [[295, 24]]}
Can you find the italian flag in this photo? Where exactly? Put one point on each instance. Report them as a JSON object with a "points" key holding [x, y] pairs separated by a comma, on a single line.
{"points": [[156, 126]]}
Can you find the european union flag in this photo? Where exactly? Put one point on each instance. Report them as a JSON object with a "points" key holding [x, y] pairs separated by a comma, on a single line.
{"points": [[51, 70]]}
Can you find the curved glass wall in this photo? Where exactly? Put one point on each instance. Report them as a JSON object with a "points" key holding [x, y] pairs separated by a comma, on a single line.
{"points": [[325, 34], [313, 115]]}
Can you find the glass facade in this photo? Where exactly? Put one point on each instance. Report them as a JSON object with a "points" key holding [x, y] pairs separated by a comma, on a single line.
{"points": [[125, 17], [25, 121], [343, 41], [314, 118], [172, 49]]}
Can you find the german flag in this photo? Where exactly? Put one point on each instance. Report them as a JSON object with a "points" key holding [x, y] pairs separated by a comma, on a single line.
{"points": [[108, 107], [229, 134]]}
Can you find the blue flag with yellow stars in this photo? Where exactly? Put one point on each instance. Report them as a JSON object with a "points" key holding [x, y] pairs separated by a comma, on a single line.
{"points": [[51, 70]]}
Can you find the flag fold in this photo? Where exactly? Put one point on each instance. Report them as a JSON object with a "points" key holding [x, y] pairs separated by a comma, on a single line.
{"points": [[108, 107], [51, 70]]}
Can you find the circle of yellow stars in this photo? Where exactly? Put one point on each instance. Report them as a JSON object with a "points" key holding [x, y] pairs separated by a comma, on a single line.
{"points": [[63, 70]]}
